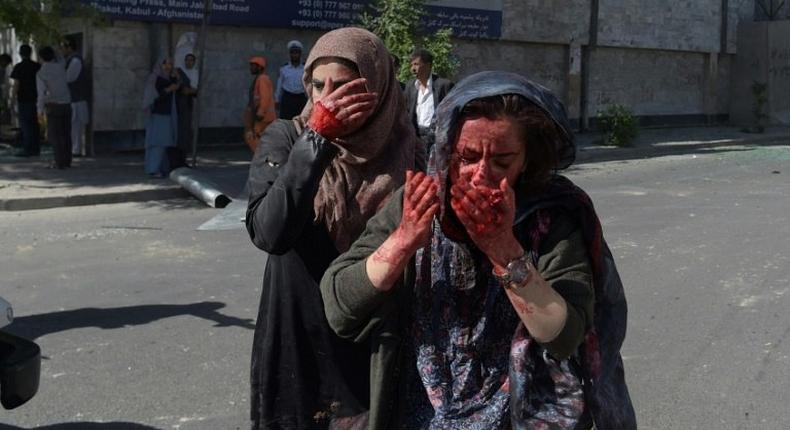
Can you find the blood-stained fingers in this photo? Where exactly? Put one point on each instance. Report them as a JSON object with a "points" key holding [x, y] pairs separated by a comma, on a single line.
{"points": [[329, 88], [345, 95], [470, 202], [362, 107], [421, 191], [357, 86], [420, 204], [408, 186], [428, 191]]}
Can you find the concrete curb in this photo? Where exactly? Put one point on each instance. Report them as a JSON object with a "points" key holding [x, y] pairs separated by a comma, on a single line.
{"points": [[586, 153], [594, 154], [48, 202]]}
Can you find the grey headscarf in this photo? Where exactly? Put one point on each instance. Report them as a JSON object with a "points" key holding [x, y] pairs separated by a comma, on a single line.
{"points": [[488, 84]]}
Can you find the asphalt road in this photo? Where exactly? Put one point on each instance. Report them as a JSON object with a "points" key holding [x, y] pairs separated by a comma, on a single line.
{"points": [[143, 321], [701, 241], [146, 323]]}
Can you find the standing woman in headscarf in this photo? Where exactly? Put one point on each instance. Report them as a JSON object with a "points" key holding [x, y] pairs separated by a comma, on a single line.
{"points": [[185, 102], [487, 282], [161, 127], [314, 182]]}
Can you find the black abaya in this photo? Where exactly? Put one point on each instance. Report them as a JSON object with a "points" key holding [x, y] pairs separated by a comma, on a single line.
{"points": [[303, 375]]}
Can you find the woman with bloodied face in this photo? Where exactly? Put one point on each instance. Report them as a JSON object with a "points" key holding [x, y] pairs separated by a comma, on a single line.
{"points": [[486, 283], [314, 182]]}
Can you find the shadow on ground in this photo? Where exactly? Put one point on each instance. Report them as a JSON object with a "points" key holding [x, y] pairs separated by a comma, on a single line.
{"points": [[84, 426], [35, 326]]}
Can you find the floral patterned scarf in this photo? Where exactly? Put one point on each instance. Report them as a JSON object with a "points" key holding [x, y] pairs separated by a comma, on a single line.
{"points": [[463, 321]]}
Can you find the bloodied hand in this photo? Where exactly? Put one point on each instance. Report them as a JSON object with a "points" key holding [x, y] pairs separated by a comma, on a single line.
{"points": [[339, 112], [486, 213], [488, 157], [420, 204]]}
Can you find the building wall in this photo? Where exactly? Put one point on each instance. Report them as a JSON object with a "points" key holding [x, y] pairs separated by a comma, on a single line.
{"points": [[659, 61], [629, 77], [739, 11], [764, 57], [121, 65], [779, 72], [226, 70], [546, 21], [545, 64], [723, 84], [124, 54], [684, 25], [667, 61]]}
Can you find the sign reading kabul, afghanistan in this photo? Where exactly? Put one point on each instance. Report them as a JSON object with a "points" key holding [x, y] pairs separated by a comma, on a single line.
{"points": [[467, 18]]}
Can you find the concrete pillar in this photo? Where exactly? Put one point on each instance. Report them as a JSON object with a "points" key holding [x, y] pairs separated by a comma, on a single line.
{"points": [[711, 87], [574, 96], [87, 55], [779, 72], [584, 116], [159, 37]]}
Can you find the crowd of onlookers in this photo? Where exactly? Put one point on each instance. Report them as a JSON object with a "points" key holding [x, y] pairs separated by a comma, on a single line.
{"points": [[172, 87], [54, 92]]}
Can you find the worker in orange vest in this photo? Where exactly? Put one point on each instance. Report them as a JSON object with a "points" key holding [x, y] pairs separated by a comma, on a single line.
{"points": [[259, 112]]}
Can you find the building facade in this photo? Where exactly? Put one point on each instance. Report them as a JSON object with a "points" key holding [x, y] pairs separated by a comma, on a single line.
{"points": [[670, 63]]}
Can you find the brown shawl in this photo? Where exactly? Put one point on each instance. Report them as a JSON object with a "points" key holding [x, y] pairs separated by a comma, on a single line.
{"points": [[372, 161]]}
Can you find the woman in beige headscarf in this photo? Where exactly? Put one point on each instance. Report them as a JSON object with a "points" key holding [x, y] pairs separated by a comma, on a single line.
{"points": [[314, 182]]}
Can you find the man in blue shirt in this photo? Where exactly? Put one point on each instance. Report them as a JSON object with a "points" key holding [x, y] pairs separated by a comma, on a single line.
{"points": [[289, 97]]}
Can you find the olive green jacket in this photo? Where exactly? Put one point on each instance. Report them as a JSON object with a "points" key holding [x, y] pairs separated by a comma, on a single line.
{"points": [[358, 311]]}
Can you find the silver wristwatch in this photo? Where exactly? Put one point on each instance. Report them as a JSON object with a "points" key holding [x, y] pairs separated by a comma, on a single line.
{"points": [[516, 272]]}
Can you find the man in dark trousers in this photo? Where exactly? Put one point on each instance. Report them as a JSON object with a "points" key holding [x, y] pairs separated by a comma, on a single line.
{"points": [[54, 100], [80, 90], [423, 94], [289, 96], [24, 90]]}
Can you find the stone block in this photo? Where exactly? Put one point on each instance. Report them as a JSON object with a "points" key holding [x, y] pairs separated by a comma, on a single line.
{"points": [[683, 25], [648, 82], [546, 21], [543, 63]]}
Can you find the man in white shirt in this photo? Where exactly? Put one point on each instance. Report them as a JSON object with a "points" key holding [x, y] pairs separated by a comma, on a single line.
{"points": [[289, 97], [79, 88], [54, 100], [423, 94]]}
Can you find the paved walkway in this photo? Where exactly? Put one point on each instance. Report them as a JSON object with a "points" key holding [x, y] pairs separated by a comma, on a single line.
{"points": [[26, 183], [668, 141]]}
